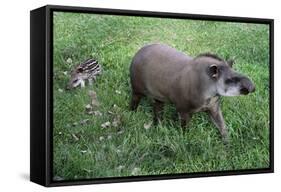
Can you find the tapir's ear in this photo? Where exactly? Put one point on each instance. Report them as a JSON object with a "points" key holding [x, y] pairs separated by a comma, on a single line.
{"points": [[79, 70], [230, 62], [214, 71]]}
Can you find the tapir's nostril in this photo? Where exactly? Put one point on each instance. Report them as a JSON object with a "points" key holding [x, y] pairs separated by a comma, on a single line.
{"points": [[244, 91], [246, 86]]}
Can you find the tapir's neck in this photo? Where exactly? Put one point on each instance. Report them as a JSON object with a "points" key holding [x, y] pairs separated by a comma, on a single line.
{"points": [[210, 91]]}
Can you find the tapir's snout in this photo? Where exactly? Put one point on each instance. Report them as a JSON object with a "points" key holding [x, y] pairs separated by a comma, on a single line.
{"points": [[247, 86]]}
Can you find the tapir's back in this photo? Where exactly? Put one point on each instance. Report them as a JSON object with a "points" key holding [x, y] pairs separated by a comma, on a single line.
{"points": [[154, 68]]}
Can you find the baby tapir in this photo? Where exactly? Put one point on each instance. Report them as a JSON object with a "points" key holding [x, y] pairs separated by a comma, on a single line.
{"points": [[191, 84]]}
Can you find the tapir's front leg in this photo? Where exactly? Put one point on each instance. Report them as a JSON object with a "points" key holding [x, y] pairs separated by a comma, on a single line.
{"points": [[82, 84], [217, 118], [90, 80], [158, 110]]}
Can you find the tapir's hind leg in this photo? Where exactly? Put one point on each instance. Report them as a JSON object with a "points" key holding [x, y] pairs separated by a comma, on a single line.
{"points": [[157, 110], [184, 118], [135, 100]]}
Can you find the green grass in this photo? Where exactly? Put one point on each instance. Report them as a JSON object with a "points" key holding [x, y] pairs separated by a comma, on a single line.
{"points": [[90, 151]]}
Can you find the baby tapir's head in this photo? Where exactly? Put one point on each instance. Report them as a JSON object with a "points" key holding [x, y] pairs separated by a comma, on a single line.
{"points": [[75, 80], [228, 82], [87, 70]]}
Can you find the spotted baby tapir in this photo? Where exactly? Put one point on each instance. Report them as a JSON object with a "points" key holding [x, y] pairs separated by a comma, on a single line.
{"points": [[85, 71]]}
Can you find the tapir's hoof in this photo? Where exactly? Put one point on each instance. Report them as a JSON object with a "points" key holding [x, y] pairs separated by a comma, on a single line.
{"points": [[225, 140]]}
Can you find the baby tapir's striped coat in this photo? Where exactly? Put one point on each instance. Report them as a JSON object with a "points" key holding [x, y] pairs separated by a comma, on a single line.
{"points": [[87, 70], [191, 84]]}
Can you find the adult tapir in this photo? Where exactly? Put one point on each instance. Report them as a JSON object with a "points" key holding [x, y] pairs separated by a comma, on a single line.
{"points": [[191, 84]]}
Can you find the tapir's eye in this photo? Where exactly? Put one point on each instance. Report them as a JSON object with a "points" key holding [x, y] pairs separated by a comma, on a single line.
{"points": [[75, 81]]}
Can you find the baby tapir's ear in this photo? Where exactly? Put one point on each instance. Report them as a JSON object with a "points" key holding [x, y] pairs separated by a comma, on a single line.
{"points": [[230, 62], [79, 70], [214, 71]]}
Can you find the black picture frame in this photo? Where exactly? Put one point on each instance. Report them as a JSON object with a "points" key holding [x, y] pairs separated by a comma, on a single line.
{"points": [[41, 54]]}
